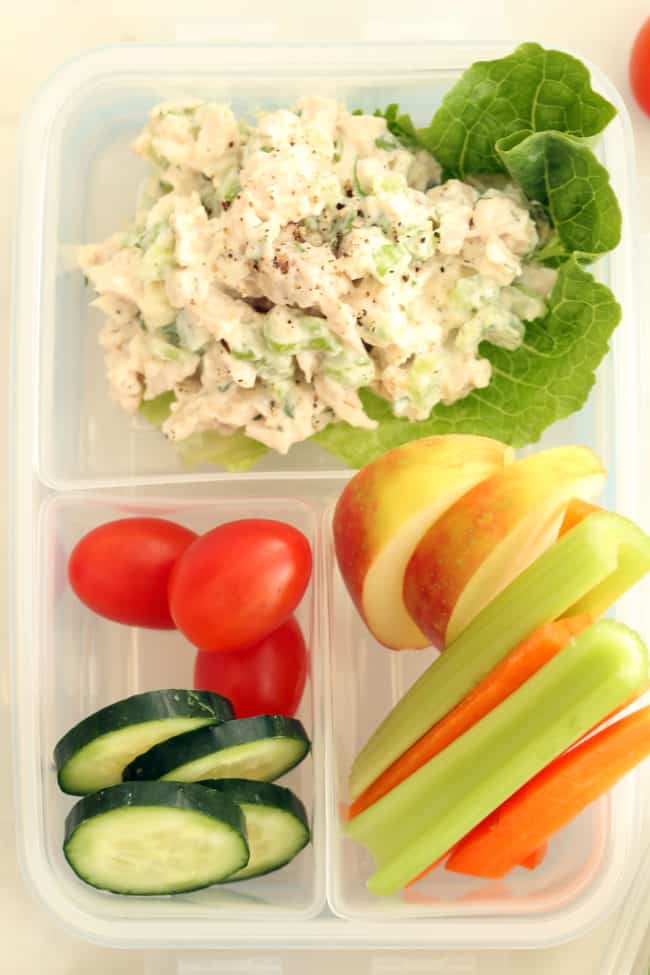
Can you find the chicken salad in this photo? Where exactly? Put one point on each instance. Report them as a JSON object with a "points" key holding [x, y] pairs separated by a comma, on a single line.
{"points": [[275, 269]]}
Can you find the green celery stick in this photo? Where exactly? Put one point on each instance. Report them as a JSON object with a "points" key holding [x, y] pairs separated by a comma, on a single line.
{"points": [[633, 563], [582, 572], [435, 807]]}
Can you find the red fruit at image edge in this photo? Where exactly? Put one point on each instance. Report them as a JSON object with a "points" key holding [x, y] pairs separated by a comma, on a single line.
{"points": [[640, 68]]}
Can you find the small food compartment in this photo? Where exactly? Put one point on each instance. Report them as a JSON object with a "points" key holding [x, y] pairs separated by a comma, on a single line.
{"points": [[84, 662], [582, 866]]}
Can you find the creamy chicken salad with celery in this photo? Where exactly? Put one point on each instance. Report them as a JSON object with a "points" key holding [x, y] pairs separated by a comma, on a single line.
{"points": [[320, 272], [276, 268]]}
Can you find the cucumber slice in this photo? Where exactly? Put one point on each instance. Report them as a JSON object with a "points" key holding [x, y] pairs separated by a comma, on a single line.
{"points": [[92, 755], [155, 838], [276, 823], [263, 748]]}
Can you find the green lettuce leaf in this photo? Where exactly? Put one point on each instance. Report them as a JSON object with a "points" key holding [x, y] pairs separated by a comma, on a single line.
{"points": [[236, 453], [531, 90], [400, 125], [562, 173], [547, 378], [155, 411]]}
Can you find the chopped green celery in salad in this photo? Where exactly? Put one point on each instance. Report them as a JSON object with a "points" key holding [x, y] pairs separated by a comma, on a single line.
{"points": [[323, 273]]}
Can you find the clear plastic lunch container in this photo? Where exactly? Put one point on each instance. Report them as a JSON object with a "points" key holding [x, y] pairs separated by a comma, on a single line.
{"points": [[78, 461]]}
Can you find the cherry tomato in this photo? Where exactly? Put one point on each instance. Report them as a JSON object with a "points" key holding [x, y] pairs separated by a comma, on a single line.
{"points": [[121, 569], [640, 67], [268, 678], [239, 582]]}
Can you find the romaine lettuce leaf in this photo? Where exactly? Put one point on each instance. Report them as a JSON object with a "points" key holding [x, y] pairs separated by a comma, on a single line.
{"points": [[155, 411], [400, 125], [562, 173], [547, 378], [236, 453], [531, 90]]}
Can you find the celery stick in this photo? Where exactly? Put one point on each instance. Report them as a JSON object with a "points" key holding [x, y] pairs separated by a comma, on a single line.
{"points": [[633, 563], [431, 810], [602, 556]]}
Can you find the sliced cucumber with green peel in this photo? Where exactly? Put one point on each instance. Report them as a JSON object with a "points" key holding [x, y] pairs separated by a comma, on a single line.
{"points": [[276, 823], [93, 754], [263, 748], [155, 838]]}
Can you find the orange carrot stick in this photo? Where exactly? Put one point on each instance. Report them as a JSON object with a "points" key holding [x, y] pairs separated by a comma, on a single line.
{"points": [[536, 858], [552, 798], [533, 860], [510, 674], [576, 512]]}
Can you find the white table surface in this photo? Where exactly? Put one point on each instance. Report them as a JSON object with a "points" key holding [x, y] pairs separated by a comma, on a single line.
{"points": [[35, 38]]}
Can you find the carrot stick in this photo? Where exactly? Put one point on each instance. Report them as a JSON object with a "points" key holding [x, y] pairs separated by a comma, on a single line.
{"points": [[533, 860], [510, 674], [530, 862], [552, 798], [576, 512]]}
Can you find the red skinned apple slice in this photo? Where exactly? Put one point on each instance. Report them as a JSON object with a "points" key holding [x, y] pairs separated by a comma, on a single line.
{"points": [[491, 534], [386, 509]]}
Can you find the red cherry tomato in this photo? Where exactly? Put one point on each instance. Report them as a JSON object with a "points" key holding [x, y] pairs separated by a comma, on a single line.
{"points": [[640, 67], [121, 569], [268, 678], [239, 582]]}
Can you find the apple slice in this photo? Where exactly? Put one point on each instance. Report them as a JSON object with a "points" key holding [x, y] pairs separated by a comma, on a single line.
{"points": [[386, 509], [491, 534]]}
